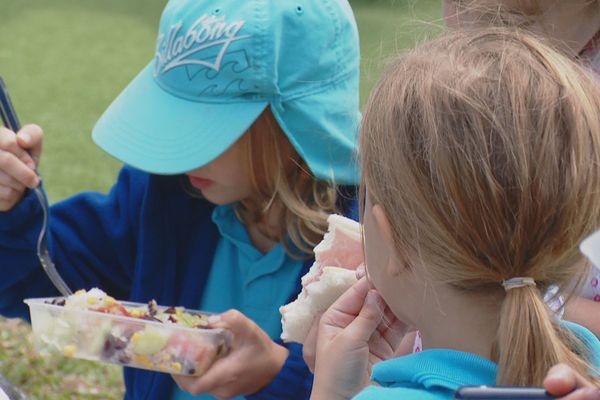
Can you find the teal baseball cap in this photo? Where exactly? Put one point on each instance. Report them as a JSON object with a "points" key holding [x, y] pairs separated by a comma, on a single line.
{"points": [[220, 64]]}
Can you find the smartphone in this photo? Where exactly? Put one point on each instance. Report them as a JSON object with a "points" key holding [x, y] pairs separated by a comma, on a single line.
{"points": [[502, 393]]}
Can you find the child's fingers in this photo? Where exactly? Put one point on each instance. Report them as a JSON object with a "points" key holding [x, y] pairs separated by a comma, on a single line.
{"points": [[13, 166], [17, 170], [379, 347], [584, 394], [309, 349], [369, 318], [388, 336], [392, 329], [9, 181], [30, 137], [347, 306], [390, 322], [562, 379], [361, 271], [207, 383], [8, 142], [233, 320]]}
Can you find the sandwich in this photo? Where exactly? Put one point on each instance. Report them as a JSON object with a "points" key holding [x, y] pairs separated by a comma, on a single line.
{"points": [[337, 257]]}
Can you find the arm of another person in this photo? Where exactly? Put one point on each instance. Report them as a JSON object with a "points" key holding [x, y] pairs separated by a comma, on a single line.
{"points": [[563, 380]]}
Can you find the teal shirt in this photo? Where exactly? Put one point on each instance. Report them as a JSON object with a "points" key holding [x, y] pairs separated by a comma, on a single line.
{"points": [[243, 278], [436, 374]]}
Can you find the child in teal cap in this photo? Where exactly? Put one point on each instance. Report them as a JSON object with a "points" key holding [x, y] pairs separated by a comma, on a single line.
{"points": [[238, 140]]}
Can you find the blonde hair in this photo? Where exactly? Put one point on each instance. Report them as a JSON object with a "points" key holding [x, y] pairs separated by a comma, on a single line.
{"points": [[483, 148], [537, 16], [514, 13], [282, 183], [282, 180]]}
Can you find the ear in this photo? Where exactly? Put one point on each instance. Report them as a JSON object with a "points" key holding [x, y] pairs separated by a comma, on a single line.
{"points": [[395, 266]]}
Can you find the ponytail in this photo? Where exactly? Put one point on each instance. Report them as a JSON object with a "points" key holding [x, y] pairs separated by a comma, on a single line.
{"points": [[530, 340], [485, 160]]}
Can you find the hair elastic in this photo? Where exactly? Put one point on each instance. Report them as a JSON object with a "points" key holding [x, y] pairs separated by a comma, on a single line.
{"points": [[514, 283]]}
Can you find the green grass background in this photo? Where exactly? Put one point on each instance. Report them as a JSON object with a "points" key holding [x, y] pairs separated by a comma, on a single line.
{"points": [[64, 61]]}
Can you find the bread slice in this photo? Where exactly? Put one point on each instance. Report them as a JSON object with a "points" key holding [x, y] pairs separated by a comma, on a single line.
{"points": [[333, 272]]}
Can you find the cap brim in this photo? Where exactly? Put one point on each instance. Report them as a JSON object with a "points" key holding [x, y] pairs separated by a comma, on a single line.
{"points": [[157, 132]]}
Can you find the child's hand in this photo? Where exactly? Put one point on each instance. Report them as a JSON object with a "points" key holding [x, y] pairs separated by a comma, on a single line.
{"points": [[352, 336], [309, 347], [17, 166], [562, 379], [252, 363], [392, 334]]}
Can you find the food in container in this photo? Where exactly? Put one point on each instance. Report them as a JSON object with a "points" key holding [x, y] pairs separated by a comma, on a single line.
{"points": [[94, 326]]}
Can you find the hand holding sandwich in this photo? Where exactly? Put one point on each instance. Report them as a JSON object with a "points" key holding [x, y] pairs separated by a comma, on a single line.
{"points": [[309, 348], [352, 336]]}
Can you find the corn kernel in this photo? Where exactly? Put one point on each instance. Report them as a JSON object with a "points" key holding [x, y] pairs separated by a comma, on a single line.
{"points": [[135, 338], [69, 350], [110, 300], [80, 291], [176, 366], [142, 361], [136, 312], [92, 300]]}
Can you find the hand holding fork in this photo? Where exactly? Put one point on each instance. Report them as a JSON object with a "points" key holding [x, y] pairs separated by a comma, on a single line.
{"points": [[20, 150]]}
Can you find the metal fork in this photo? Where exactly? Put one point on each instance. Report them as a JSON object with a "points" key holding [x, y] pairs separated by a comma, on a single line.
{"points": [[42, 246], [9, 117]]}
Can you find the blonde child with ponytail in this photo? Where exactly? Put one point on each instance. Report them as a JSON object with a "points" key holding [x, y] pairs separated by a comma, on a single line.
{"points": [[572, 27], [480, 154]]}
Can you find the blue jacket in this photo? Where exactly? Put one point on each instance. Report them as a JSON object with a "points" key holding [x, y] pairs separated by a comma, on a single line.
{"points": [[146, 239]]}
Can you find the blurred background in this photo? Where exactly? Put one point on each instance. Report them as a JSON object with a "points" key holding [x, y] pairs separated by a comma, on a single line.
{"points": [[64, 61]]}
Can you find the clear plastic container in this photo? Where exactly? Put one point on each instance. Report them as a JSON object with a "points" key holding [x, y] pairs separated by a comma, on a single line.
{"points": [[126, 340]]}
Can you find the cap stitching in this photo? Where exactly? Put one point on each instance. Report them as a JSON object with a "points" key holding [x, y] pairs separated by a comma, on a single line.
{"points": [[321, 88], [323, 85], [336, 25], [261, 45], [216, 100]]}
